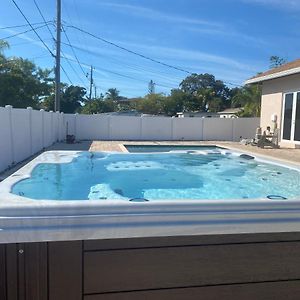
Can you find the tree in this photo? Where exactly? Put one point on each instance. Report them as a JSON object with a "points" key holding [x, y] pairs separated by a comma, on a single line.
{"points": [[208, 90], [98, 105], [276, 61], [151, 104], [112, 94], [22, 83], [71, 100], [249, 98]]}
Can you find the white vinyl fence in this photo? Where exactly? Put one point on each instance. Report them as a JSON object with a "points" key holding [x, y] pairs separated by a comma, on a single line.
{"points": [[24, 132], [99, 127]]}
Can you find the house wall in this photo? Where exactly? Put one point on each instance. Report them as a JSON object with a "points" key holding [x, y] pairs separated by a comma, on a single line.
{"points": [[272, 100]]}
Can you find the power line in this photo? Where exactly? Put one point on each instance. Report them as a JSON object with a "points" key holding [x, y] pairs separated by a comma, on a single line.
{"points": [[26, 42], [68, 61], [66, 74], [123, 75], [23, 32], [131, 67], [139, 54], [41, 14], [21, 12], [74, 53], [24, 25], [128, 50]]}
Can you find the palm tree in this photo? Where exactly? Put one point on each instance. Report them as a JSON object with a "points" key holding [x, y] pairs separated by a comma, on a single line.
{"points": [[112, 94], [249, 98]]}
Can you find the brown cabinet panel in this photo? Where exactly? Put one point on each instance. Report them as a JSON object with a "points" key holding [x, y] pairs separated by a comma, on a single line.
{"points": [[12, 272], [172, 267], [35, 270], [65, 270], [3, 272], [259, 291], [166, 241]]}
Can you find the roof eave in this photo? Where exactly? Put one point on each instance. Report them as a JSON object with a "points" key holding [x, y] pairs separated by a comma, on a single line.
{"points": [[273, 76]]}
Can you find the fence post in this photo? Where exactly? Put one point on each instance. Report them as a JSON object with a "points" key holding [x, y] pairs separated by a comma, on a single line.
{"points": [[43, 128], [11, 140], [61, 132], [203, 129], [141, 127], [172, 129], [57, 126], [109, 129], [29, 109], [51, 126], [75, 125]]}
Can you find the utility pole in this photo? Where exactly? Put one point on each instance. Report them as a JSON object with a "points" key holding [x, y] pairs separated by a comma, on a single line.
{"points": [[151, 87], [57, 57], [95, 91], [91, 83]]}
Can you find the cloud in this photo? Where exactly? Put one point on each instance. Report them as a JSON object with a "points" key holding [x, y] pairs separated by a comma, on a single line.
{"points": [[176, 54], [235, 36], [149, 13], [290, 5]]}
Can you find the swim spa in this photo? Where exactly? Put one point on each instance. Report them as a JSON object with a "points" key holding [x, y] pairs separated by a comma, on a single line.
{"points": [[207, 174], [72, 226], [67, 195]]}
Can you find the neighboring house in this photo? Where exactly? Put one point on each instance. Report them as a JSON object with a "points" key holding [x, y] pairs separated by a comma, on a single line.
{"points": [[280, 104], [197, 114], [230, 113]]}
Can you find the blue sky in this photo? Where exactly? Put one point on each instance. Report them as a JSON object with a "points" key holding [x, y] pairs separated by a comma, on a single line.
{"points": [[232, 39]]}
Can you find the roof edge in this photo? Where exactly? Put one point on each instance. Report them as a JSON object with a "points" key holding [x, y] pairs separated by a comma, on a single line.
{"points": [[273, 76]]}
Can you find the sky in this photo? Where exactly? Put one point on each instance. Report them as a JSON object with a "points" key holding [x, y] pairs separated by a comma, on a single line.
{"points": [[231, 39]]}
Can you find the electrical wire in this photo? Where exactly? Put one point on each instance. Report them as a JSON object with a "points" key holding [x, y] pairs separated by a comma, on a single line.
{"points": [[128, 50], [123, 75], [41, 14], [66, 74], [39, 37], [136, 69], [24, 25], [74, 53], [130, 66], [139, 54], [23, 32]]}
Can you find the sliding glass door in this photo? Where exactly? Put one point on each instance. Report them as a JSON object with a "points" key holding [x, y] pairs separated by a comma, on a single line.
{"points": [[297, 119], [291, 117]]}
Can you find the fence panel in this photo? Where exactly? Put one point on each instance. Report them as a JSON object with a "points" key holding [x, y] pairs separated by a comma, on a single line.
{"points": [[156, 128], [6, 151], [125, 128], [187, 128], [245, 128], [216, 129], [89, 127], [21, 132]]}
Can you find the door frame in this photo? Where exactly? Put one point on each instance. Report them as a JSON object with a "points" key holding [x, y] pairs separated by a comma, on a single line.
{"points": [[292, 139]]}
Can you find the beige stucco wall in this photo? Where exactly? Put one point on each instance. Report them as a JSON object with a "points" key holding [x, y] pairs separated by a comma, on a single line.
{"points": [[272, 99]]}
